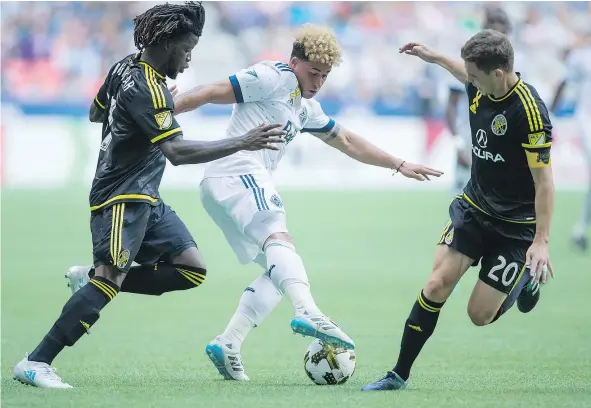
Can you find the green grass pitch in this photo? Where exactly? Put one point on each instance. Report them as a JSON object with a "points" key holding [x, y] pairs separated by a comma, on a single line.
{"points": [[367, 255]]}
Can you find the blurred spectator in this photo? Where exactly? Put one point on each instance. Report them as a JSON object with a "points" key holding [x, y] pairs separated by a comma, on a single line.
{"points": [[60, 51]]}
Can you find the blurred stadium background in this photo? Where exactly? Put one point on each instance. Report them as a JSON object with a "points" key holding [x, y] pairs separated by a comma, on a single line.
{"points": [[366, 237]]}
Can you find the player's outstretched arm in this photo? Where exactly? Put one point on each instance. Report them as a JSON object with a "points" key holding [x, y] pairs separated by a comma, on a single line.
{"points": [[180, 151], [363, 151], [221, 93], [454, 67]]}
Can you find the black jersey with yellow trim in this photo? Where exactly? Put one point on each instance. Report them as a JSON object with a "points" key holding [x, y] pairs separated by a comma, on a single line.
{"points": [[111, 83], [139, 118], [510, 135]]}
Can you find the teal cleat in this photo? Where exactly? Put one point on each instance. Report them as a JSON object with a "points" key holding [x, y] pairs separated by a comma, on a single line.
{"points": [[390, 382], [322, 328]]}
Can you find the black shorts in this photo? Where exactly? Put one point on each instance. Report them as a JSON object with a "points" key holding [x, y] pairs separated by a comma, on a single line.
{"points": [[140, 232], [499, 246]]}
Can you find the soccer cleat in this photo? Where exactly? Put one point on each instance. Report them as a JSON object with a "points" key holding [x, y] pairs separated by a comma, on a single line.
{"points": [[37, 374], [78, 277], [391, 381], [227, 359], [323, 329], [529, 297], [580, 242]]}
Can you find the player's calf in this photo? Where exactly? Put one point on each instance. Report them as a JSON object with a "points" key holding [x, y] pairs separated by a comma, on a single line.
{"points": [[448, 268], [286, 271], [78, 315]]}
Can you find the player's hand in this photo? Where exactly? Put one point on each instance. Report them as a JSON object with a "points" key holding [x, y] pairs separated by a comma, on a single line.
{"points": [[538, 262], [174, 91], [419, 50], [263, 137], [418, 171]]}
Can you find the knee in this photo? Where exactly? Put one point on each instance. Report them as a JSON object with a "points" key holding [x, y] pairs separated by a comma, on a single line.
{"points": [[190, 257], [480, 316], [439, 287], [279, 236], [110, 273]]}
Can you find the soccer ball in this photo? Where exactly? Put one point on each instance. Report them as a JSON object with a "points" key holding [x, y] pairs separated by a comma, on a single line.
{"points": [[326, 365]]}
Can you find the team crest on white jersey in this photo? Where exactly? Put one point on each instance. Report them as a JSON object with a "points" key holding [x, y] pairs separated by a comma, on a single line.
{"points": [[303, 116], [499, 125], [276, 200]]}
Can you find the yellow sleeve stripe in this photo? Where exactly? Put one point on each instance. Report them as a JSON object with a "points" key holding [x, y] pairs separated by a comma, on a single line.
{"points": [[534, 119], [536, 111], [166, 134], [99, 103], [158, 99], [158, 90], [536, 147]]}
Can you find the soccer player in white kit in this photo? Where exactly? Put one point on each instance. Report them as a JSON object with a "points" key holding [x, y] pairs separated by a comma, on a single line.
{"points": [[239, 194], [457, 114], [578, 75]]}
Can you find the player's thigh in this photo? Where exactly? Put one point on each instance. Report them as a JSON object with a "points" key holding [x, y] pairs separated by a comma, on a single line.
{"points": [[269, 220], [501, 270], [117, 234], [459, 247], [218, 196], [252, 204], [167, 239]]}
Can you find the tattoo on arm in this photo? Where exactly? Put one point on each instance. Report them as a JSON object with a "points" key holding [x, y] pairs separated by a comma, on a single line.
{"points": [[330, 135]]}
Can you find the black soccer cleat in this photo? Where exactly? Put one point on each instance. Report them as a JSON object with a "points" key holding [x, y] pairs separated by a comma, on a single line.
{"points": [[529, 297]]}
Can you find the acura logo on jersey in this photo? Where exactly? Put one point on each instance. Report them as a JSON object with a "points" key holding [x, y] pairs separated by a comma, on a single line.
{"points": [[481, 138], [481, 151]]}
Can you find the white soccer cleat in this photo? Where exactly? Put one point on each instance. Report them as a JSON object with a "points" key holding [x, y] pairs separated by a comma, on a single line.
{"points": [[323, 329], [78, 277], [226, 357], [38, 374]]}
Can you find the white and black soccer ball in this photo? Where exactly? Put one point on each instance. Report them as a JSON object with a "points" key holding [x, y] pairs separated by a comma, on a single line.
{"points": [[326, 365]]}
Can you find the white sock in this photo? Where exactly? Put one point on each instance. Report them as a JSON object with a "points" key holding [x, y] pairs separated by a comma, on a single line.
{"points": [[257, 301], [287, 272]]}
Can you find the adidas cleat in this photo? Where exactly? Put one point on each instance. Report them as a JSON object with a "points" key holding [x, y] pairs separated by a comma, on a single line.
{"points": [[390, 382], [529, 297], [77, 277], [38, 374], [227, 359], [322, 328]]}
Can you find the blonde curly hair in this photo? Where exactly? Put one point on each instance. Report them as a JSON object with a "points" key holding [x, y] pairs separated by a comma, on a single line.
{"points": [[317, 44]]}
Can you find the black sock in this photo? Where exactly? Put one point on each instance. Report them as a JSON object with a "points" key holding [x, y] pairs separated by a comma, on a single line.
{"points": [[162, 278], [78, 315], [418, 328]]}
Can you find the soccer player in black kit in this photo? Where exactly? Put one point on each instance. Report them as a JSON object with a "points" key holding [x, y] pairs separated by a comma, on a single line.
{"points": [[502, 219], [129, 221]]}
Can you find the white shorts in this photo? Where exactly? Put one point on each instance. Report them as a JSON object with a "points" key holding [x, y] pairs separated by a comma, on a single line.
{"points": [[247, 209]]}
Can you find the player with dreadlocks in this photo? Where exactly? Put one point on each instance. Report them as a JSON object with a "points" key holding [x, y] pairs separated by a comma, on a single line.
{"points": [[129, 221]]}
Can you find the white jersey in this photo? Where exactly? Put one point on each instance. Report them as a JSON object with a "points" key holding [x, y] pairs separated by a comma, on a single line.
{"points": [[578, 67], [267, 92]]}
